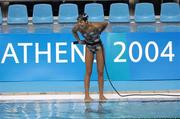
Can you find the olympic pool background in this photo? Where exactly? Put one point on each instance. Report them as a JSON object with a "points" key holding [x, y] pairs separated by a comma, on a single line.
{"points": [[66, 62]]}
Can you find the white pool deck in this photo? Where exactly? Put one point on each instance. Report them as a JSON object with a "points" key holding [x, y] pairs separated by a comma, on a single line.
{"points": [[79, 96]]}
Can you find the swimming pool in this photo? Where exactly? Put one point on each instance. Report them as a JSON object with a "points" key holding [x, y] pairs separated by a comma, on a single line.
{"points": [[56, 109]]}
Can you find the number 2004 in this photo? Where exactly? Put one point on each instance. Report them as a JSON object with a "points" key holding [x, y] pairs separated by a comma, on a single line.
{"points": [[167, 51]]}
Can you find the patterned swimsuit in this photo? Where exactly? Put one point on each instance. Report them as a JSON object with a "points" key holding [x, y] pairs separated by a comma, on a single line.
{"points": [[93, 41]]}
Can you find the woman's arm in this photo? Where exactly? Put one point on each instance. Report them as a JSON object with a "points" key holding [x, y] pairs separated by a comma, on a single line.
{"points": [[101, 26], [75, 32]]}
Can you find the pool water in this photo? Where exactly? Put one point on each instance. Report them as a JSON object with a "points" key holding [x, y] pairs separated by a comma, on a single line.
{"points": [[80, 110]]}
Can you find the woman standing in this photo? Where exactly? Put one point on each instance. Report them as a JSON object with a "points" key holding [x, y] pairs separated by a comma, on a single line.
{"points": [[91, 32]]}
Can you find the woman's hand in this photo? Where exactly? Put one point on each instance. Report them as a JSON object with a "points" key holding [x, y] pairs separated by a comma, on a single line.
{"points": [[81, 42]]}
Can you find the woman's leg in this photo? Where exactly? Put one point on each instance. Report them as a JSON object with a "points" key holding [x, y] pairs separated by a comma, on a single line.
{"points": [[89, 57], [100, 68]]}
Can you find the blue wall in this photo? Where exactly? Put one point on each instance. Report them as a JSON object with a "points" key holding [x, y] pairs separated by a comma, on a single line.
{"points": [[148, 58]]}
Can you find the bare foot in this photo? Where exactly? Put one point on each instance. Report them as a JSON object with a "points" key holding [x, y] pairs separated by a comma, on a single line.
{"points": [[88, 99], [102, 98]]}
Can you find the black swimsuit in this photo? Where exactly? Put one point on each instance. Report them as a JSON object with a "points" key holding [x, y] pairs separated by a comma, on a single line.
{"points": [[93, 41]]}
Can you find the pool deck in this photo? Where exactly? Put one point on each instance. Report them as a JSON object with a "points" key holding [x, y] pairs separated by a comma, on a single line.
{"points": [[74, 90], [79, 96]]}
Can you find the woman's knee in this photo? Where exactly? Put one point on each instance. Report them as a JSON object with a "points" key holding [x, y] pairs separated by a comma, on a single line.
{"points": [[100, 73], [88, 73]]}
